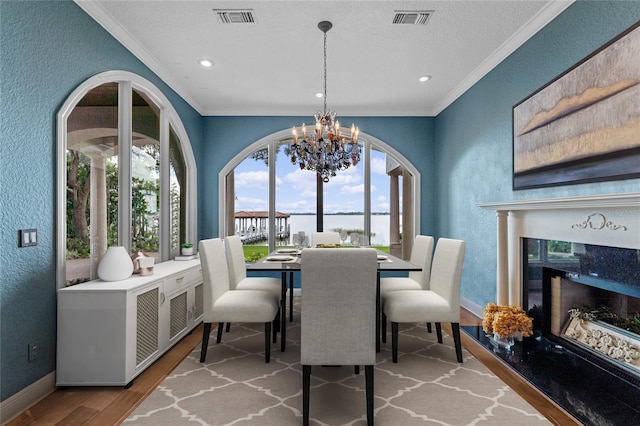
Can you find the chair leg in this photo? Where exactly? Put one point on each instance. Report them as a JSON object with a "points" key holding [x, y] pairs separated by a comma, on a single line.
{"points": [[267, 342], [356, 370], [276, 322], [455, 328], [306, 386], [439, 332], [429, 330], [228, 327], [220, 327], [394, 341], [205, 341], [368, 371], [290, 297], [384, 328]]}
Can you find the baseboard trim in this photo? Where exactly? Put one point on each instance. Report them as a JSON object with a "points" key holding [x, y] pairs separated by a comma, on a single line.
{"points": [[472, 307], [16, 404]]}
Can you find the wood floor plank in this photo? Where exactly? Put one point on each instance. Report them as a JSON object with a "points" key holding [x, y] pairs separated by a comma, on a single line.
{"points": [[78, 417], [56, 406], [113, 413]]}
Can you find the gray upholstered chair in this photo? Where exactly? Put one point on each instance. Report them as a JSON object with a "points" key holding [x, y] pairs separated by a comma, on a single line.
{"points": [[238, 279], [421, 255], [325, 238], [338, 312], [221, 304], [441, 303]]}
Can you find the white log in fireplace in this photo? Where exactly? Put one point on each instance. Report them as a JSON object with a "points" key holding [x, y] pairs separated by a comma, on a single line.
{"points": [[611, 220]]}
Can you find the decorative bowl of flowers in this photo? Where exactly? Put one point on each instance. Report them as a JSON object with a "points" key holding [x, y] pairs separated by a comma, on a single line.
{"points": [[506, 323]]}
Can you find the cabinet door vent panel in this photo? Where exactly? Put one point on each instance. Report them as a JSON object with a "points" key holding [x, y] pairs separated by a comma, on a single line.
{"points": [[178, 320], [147, 325], [199, 302]]}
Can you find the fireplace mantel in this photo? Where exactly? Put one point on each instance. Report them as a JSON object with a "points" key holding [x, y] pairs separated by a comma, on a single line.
{"points": [[608, 220]]}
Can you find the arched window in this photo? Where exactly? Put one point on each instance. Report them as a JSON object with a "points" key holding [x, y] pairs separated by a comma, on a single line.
{"points": [[126, 175], [263, 197]]}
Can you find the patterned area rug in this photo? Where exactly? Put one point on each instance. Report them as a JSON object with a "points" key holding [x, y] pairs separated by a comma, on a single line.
{"points": [[236, 387]]}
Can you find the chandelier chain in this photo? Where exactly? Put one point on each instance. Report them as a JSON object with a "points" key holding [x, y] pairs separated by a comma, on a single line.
{"points": [[325, 72]]}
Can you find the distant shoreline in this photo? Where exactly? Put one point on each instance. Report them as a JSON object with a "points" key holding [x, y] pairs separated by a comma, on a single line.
{"points": [[340, 214]]}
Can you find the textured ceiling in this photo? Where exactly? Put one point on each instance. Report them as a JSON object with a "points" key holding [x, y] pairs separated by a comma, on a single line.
{"points": [[275, 65]]}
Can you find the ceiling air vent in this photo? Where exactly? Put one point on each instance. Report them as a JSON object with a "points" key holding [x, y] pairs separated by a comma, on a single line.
{"points": [[237, 16], [412, 17]]}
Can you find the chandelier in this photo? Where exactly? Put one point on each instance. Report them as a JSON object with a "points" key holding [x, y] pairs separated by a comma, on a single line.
{"points": [[325, 148]]}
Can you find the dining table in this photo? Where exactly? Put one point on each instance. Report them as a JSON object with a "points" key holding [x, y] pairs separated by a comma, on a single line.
{"points": [[289, 260]]}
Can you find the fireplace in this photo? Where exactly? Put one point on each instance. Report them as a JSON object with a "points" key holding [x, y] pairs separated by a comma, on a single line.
{"points": [[586, 298], [554, 255]]}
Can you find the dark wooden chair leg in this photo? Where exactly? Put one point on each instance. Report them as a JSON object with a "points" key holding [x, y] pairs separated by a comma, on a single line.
{"points": [[306, 386], [275, 327], [384, 328], [205, 341], [220, 327], [228, 327], [455, 328], [290, 297], [267, 342], [394, 341], [368, 372], [356, 370], [439, 332], [429, 330]]}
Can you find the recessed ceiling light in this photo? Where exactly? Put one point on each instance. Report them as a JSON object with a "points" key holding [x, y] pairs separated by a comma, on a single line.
{"points": [[424, 78], [207, 63], [319, 95]]}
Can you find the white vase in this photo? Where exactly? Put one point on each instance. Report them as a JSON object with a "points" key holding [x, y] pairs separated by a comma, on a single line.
{"points": [[187, 251], [115, 265]]}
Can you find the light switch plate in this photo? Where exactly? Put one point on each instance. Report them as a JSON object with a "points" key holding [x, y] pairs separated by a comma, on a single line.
{"points": [[28, 237]]}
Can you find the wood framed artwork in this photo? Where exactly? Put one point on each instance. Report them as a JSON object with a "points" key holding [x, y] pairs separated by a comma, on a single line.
{"points": [[584, 126]]}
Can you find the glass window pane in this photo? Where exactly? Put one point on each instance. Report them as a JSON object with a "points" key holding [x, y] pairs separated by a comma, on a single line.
{"points": [[92, 178], [145, 176], [251, 202], [177, 194], [381, 201]]}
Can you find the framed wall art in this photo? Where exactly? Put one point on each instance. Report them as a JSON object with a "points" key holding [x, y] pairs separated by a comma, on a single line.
{"points": [[584, 126]]}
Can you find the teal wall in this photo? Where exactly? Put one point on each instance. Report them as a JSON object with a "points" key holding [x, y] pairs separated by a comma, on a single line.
{"points": [[226, 136], [47, 49], [474, 143]]}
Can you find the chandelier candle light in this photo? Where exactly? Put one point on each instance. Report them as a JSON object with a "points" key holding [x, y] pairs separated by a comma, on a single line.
{"points": [[325, 149]]}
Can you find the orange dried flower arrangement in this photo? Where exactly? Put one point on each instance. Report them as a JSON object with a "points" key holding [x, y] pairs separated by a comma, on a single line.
{"points": [[506, 320]]}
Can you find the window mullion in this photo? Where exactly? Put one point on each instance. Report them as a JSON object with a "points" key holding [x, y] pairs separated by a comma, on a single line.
{"points": [[272, 194], [367, 189], [165, 190], [124, 163]]}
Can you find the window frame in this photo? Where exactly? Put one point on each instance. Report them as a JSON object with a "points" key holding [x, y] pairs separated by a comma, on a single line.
{"points": [[169, 118], [270, 141]]}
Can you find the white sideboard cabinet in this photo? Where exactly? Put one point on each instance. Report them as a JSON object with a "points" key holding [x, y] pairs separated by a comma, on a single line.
{"points": [[109, 332]]}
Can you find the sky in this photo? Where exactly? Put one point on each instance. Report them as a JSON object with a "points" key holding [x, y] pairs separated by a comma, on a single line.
{"points": [[296, 189]]}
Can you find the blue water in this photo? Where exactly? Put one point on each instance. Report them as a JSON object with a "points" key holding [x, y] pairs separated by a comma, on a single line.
{"points": [[379, 225]]}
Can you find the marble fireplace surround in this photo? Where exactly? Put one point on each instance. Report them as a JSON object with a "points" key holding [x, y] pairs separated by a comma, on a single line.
{"points": [[608, 220]]}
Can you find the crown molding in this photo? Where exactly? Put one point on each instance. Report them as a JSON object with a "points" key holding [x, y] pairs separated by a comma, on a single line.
{"points": [[528, 30], [99, 14]]}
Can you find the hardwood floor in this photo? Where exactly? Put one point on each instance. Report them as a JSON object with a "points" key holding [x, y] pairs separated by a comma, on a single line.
{"points": [[102, 406]]}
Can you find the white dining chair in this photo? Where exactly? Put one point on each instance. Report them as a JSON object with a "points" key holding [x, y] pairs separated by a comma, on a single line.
{"points": [[325, 238], [222, 304], [441, 303], [421, 255], [238, 272], [338, 315]]}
